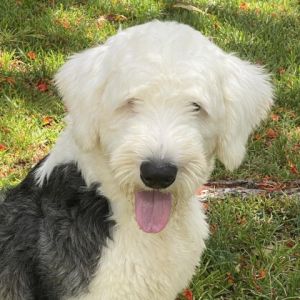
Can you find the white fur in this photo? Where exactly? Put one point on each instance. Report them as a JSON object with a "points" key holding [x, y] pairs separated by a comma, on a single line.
{"points": [[131, 99]]}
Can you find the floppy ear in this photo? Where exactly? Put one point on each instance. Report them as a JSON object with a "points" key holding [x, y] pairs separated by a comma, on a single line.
{"points": [[248, 97], [80, 82]]}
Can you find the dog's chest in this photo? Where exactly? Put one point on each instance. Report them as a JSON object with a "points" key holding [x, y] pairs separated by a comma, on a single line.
{"points": [[137, 265]]}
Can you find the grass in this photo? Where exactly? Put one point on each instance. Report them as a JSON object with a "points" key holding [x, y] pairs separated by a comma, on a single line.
{"points": [[254, 249]]}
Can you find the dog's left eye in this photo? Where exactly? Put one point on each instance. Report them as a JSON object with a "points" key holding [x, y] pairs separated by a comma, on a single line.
{"points": [[196, 107]]}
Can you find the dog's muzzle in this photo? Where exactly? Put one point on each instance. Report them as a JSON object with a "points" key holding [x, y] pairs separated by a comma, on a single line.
{"points": [[158, 174]]}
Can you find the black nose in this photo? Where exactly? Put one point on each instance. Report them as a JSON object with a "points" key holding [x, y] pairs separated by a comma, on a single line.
{"points": [[157, 174]]}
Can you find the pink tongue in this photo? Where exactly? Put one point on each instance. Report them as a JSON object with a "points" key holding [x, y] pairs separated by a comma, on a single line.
{"points": [[152, 210]]}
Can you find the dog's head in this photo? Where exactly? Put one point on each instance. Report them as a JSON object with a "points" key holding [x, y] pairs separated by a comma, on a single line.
{"points": [[162, 101]]}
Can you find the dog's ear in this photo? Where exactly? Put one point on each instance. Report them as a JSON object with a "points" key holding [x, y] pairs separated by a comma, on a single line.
{"points": [[248, 97], [80, 81]]}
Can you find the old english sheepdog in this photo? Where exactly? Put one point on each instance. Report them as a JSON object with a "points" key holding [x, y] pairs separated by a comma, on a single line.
{"points": [[110, 214]]}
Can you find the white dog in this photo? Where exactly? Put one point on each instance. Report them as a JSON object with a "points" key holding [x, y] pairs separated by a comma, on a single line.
{"points": [[148, 113]]}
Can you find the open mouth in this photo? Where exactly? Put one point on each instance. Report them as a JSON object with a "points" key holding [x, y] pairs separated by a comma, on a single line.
{"points": [[152, 210]]}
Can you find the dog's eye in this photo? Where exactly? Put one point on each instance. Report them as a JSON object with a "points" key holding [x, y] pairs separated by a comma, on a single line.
{"points": [[196, 107]]}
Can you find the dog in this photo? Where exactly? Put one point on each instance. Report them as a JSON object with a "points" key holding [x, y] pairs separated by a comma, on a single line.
{"points": [[110, 213]]}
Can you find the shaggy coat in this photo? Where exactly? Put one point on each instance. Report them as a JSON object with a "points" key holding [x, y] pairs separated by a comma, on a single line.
{"points": [[110, 213]]}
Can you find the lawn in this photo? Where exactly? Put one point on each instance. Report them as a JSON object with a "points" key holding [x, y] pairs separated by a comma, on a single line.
{"points": [[254, 250]]}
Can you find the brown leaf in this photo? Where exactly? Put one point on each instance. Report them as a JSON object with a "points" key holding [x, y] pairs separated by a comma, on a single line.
{"points": [[230, 278], [261, 274], [275, 117], [281, 70], [257, 137], [257, 11], [244, 6], [271, 133], [115, 18], [217, 25], [188, 294], [205, 206], [213, 228], [101, 21], [64, 23], [241, 220], [10, 80], [31, 55], [293, 168], [2, 147], [47, 121], [290, 243], [42, 86]]}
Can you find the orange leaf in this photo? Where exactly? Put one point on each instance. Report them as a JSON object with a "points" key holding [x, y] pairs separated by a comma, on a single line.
{"points": [[290, 243], [293, 168], [2, 147], [64, 23], [230, 278], [241, 220], [42, 86], [244, 6], [115, 18], [188, 294], [205, 206], [257, 137], [10, 80], [275, 117], [261, 274], [47, 120], [271, 133], [281, 70], [213, 228], [31, 55]]}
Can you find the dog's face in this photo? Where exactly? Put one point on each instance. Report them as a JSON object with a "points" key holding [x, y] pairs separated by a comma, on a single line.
{"points": [[161, 101]]}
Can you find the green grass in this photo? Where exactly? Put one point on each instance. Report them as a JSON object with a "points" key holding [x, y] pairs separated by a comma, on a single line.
{"points": [[264, 32]]}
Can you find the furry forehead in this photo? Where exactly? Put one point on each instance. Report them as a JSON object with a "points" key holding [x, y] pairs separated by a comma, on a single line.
{"points": [[161, 59]]}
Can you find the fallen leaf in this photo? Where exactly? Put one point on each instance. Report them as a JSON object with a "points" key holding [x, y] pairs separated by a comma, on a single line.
{"points": [[281, 70], [205, 206], [270, 186], [296, 147], [241, 220], [10, 80], [47, 121], [290, 243], [257, 137], [31, 55], [42, 86], [229, 278], [275, 117], [115, 18], [101, 21], [244, 6], [293, 168], [188, 294], [216, 26], [213, 228], [271, 133], [261, 274], [64, 23], [2, 147]]}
